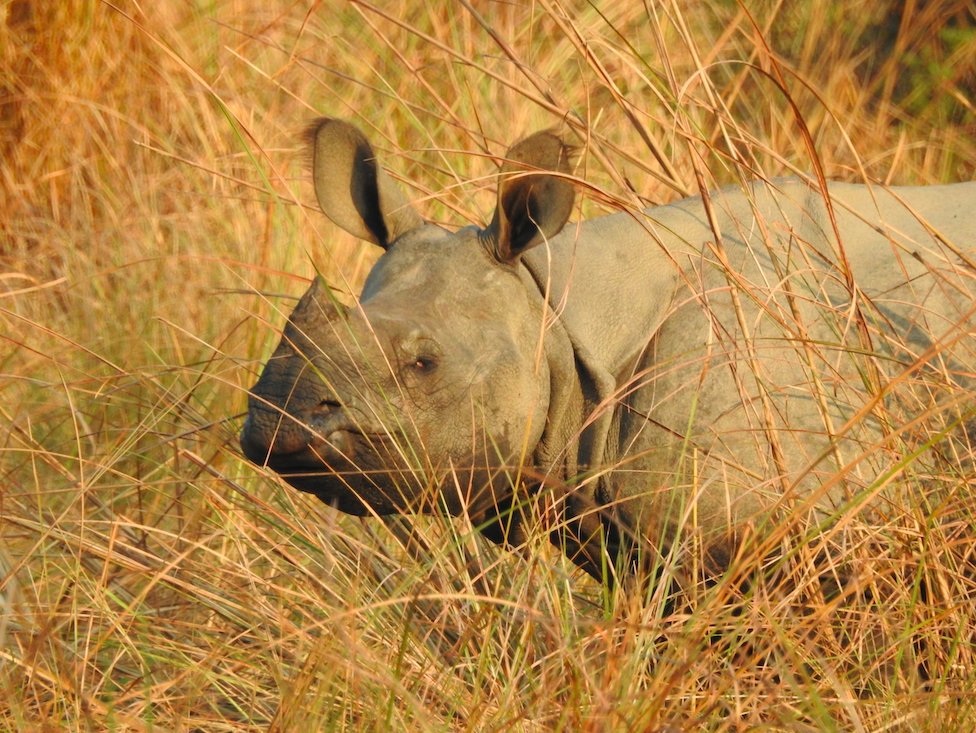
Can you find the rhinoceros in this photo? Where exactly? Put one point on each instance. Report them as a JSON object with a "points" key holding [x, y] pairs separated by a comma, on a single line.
{"points": [[763, 356]]}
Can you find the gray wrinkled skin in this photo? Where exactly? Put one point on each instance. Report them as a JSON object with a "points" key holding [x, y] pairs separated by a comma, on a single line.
{"points": [[668, 376]]}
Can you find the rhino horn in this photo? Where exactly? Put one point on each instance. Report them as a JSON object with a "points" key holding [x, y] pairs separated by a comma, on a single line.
{"points": [[532, 206], [352, 189], [316, 307], [289, 391]]}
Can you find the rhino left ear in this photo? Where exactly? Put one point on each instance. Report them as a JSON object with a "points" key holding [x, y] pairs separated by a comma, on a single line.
{"points": [[532, 205]]}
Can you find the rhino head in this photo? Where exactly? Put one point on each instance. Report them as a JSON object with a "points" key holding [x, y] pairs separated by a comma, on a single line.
{"points": [[432, 390]]}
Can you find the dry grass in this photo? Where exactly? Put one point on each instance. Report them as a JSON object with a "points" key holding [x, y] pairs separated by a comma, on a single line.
{"points": [[152, 185]]}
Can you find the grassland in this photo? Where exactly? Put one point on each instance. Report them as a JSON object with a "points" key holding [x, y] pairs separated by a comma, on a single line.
{"points": [[155, 226]]}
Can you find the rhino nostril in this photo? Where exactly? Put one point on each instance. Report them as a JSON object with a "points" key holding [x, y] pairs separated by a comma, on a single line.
{"points": [[328, 405]]}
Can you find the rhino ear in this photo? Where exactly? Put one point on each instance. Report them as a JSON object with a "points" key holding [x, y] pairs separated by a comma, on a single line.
{"points": [[352, 189], [532, 206]]}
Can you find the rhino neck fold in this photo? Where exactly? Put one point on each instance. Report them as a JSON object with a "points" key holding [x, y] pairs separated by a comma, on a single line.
{"points": [[581, 413], [566, 446], [573, 447]]}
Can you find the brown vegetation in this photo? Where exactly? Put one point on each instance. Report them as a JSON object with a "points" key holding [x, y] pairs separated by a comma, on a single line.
{"points": [[155, 226]]}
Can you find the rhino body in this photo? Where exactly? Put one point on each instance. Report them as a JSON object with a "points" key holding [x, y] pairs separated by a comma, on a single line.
{"points": [[698, 372]]}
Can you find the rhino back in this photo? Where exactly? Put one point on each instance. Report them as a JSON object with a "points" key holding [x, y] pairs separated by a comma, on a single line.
{"points": [[750, 371]]}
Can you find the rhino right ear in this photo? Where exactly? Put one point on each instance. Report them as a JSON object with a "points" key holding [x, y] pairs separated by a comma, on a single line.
{"points": [[532, 205], [352, 189]]}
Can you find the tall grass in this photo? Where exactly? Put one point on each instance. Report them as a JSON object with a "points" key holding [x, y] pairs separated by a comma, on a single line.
{"points": [[155, 227]]}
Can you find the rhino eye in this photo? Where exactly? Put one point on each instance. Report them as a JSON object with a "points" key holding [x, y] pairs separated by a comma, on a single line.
{"points": [[422, 364], [419, 355]]}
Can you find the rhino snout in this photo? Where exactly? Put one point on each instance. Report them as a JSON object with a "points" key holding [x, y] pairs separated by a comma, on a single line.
{"points": [[277, 437]]}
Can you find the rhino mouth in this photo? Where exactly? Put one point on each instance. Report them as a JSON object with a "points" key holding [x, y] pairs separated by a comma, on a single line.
{"points": [[355, 471]]}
